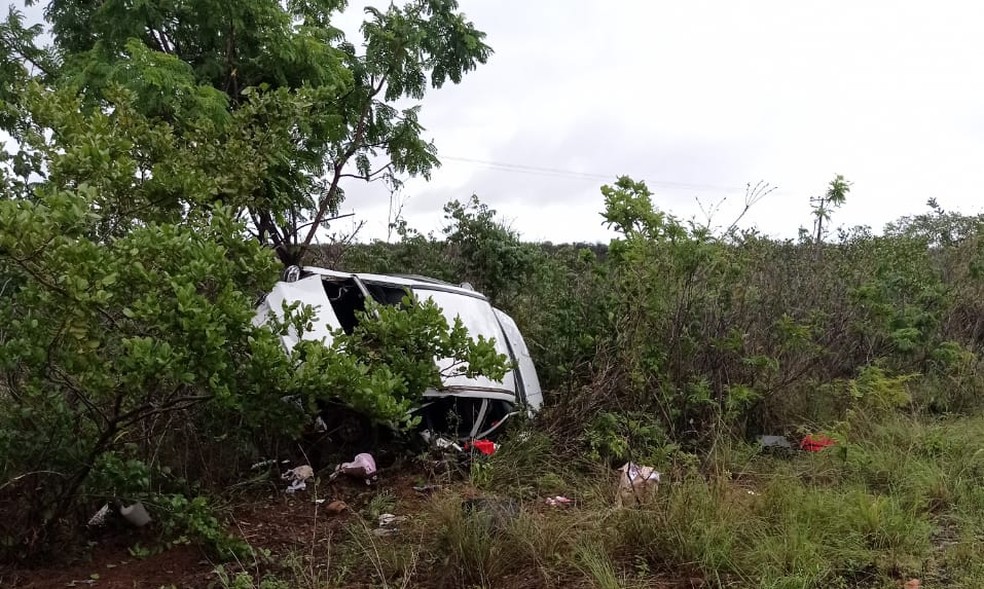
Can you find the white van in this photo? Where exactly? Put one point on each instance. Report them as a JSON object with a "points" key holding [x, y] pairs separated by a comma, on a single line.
{"points": [[466, 408]]}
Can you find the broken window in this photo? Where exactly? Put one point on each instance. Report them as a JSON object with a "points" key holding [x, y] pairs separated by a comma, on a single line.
{"points": [[464, 417], [346, 300], [385, 294]]}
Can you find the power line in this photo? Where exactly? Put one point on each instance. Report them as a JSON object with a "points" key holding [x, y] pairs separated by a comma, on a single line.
{"points": [[558, 172]]}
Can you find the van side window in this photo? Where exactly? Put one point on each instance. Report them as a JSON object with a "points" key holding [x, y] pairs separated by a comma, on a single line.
{"points": [[346, 300]]}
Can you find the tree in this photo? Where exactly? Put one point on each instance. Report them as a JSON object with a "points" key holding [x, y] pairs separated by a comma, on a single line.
{"points": [[147, 141], [835, 196], [122, 331], [276, 79]]}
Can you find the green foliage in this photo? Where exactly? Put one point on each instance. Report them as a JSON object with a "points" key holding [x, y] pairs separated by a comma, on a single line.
{"points": [[277, 77], [632, 436], [185, 520], [128, 321], [484, 252], [384, 366], [822, 206]]}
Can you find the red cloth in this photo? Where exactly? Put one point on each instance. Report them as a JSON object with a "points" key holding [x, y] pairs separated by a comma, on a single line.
{"points": [[813, 443], [486, 447]]}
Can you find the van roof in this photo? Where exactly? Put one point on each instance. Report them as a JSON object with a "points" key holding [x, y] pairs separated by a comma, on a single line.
{"points": [[404, 280]]}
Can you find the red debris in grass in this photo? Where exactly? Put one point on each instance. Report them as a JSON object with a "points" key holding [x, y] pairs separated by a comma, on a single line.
{"points": [[486, 447], [813, 443]]}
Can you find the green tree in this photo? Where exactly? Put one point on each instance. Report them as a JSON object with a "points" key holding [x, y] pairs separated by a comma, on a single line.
{"points": [[126, 325], [315, 108], [834, 198]]}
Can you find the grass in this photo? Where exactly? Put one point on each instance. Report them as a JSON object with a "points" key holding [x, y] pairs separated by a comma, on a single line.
{"points": [[896, 501]]}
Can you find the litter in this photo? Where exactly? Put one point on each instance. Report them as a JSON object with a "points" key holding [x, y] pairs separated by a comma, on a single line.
{"points": [[775, 442], [297, 477], [99, 518], [388, 523], [388, 519], [486, 447], [336, 507], [813, 443], [636, 482], [559, 501], [440, 442], [136, 514], [363, 466]]}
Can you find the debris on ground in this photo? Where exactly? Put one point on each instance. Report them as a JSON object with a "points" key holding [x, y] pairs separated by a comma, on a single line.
{"points": [[297, 478], [913, 584], [486, 447], [636, 483], [440, 442], [363, 466], [98, 519], [388, 524], [559, 501], [775, 442], [336, 507], [135, 514], [812, 443]]}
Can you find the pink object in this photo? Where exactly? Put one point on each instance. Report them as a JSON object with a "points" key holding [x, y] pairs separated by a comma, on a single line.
{"points": [[362, 466]]}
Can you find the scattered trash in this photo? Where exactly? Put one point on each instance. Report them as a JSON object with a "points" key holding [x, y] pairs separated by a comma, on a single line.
{"points": [[486, 447], [319, 501], [99, 518], [136, 514], [775, 442], [388, 524], [813, 443], [363, 466], [559, 501], [751, 492], [336, 507], [298, 477], [913, 584], [636, 482], [440, 442], [388, 519]]}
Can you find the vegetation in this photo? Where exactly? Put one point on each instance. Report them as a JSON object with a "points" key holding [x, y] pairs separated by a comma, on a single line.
{"points": [[168, 158]]}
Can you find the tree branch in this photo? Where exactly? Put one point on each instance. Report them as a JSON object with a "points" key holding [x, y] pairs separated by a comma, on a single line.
{"points": [[372, 176], [340, 164]]}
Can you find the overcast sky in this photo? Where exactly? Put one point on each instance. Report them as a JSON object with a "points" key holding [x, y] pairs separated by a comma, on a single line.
{"points": [[698, 99]]}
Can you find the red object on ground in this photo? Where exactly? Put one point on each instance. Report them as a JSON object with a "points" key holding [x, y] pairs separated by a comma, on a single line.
{"points": [[486, 447], [813, 443]]}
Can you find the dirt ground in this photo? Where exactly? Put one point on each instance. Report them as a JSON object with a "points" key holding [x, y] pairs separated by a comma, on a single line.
{"points": [[273, 521]]}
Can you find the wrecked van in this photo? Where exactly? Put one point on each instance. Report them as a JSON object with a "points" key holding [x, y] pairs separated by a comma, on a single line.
{"points": [[467, 408]]}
